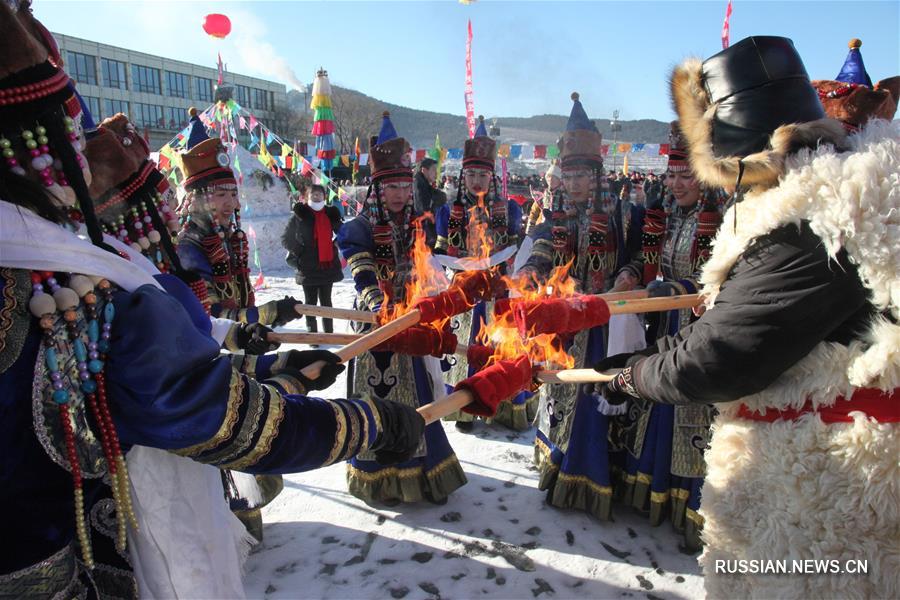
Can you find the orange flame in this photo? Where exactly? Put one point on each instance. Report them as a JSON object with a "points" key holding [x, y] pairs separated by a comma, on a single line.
{"points": [[479, 241], [424, 279]]}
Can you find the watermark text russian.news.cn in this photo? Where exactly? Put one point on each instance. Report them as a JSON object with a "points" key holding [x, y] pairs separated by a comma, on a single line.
{"points": [[810, 566]]}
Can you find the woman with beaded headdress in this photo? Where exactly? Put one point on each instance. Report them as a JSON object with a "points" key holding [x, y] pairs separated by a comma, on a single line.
{"points": [[378, 247], [98, 356], [598, 237], [664, 463], [211, 242], [478, 205]]}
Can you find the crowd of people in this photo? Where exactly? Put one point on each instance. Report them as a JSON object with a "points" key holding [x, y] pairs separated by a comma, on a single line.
{"points": [[142, 386]]}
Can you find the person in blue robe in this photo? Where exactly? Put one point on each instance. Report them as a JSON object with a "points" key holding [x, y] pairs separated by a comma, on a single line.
{"points": [[378, 246], [598, 238], [478, 222]]}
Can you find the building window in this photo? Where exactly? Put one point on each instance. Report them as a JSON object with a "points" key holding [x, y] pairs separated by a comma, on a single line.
{"points": [[203, 89], [243, 95], [93, 105], [176, 118], [114, 107], [148, 115], [82, 67], [113, 73], [145, 79], [260, 99], [177, 84]]}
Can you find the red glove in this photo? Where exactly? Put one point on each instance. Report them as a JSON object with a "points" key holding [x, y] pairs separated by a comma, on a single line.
{"points": [[420, 340], [443, 306], [478, 355], [560, 315], [500, 381]]}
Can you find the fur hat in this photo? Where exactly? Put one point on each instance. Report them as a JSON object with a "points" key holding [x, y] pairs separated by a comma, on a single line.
{"points": [[748, 107], [480, 151], [115, 153], [207, 164], [852, 98], [581, 144], [389, 155]]}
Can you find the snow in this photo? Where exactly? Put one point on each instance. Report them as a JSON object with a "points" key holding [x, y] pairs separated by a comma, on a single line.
{"points": [[495, 536]]}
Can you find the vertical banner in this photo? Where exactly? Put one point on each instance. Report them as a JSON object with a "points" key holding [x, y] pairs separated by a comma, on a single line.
{"points": [[470, 94], [726, 27], [505, 178]]}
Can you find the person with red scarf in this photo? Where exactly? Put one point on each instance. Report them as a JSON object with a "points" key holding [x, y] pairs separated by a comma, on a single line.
{"points": [[309, 240]]}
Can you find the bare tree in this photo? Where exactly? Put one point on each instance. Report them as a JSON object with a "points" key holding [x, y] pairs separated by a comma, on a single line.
{"points": [[354, 118], [292, 124]]}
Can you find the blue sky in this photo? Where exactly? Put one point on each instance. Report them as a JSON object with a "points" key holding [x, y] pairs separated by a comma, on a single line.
{"points": [[527, 56]]}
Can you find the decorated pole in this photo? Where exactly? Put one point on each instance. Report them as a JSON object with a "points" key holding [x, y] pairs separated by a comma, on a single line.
{"points": [[323, 120]]}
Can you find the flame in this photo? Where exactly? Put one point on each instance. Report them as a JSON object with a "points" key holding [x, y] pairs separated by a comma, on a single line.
{"points": [[479, 241], [501, 334], [424, 278]]}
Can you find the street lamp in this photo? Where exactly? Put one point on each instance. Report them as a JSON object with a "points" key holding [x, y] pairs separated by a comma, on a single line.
{"points": [[615, 128]]}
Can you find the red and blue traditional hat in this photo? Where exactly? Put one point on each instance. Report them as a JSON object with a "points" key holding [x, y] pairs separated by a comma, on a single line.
{"points": [[206, 161], [480, 152], [581, 144], [389, 154]]}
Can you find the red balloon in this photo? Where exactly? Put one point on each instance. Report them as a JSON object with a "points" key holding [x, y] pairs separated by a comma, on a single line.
{"points": [[216, 25]]}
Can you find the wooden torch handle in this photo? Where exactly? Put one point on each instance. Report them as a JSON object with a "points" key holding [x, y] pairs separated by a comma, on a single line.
{"points": [[362, 316], [445, 406], [304, 337], [624, 307], [367, 342]]}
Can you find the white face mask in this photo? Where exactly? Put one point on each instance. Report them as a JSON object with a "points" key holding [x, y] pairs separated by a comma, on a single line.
{"points": [[317, 205]]}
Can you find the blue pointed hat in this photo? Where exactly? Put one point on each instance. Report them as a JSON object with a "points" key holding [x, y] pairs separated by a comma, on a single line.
{"points": [[581, 144], [387, 132], [854, 70], [578, 119], [198, 130], [389, 154], [481, 131]]}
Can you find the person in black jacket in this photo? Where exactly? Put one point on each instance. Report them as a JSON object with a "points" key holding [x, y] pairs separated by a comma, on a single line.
{"points": [[799, 346], [427, 198], [309, 240]]}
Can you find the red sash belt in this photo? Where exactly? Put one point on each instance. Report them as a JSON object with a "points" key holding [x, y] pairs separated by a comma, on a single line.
{"points": [[884, 407]]}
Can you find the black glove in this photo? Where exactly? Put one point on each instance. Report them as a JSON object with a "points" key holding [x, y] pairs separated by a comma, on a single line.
{"points": [[285, 311], [252, 339], [626, 359], [297, 360], [402, 429], [660, 289], [621, 389]]}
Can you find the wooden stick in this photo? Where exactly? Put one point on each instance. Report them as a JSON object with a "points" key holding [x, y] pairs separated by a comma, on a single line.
{"points": [[367, 342], [363, 316], [575, 376], [304, 337], [624, 307], [313, 338], [630, 295], [445, 406]]}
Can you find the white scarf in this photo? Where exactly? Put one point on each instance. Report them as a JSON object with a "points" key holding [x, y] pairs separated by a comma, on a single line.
{"points": [[188, 545]]}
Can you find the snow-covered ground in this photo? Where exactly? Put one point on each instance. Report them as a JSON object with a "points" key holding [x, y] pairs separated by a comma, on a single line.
{"points": [[495, 536]]}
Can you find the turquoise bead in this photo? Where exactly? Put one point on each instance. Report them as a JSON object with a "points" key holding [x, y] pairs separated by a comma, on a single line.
{"points": [[80, 350], [103, 346], [60, 396], [88, 387], [109, 312], [50, 359], [93, 330], [95, 366]]}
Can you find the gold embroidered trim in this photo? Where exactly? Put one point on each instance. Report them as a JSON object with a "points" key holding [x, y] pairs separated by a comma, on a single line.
{"points": [[659, 497], [230, 342], [271, 399], [694, 516], [244, 437], [340, 432], [604, 490], [288, 384], [268, 312], [644, 478], [680, 494], [232, 409], [406, 473]]}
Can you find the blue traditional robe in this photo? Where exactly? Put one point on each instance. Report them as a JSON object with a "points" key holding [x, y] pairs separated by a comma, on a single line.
{"points": [[168, 387], [434, 472], [571, 447]]}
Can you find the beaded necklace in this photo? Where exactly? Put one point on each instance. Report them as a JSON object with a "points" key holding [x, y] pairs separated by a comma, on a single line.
{"points": [[84, 386]]}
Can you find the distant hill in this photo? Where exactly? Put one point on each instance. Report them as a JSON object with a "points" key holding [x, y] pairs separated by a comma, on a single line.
{"points": [[420, 126]]}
